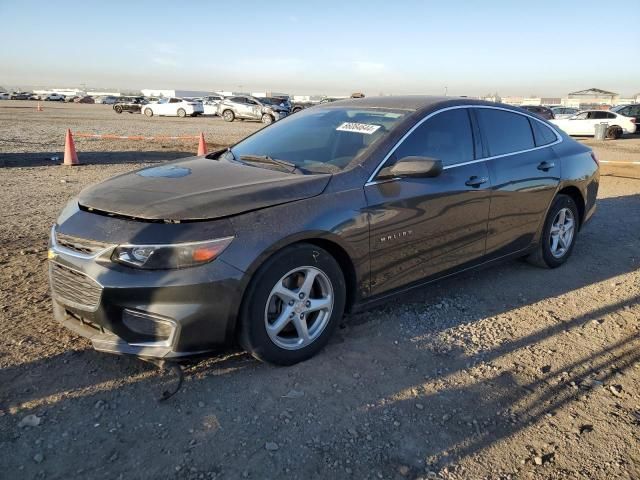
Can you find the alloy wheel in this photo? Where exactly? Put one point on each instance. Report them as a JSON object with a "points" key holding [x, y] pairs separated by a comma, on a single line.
{"points": [[299, 308], [562, 232]]}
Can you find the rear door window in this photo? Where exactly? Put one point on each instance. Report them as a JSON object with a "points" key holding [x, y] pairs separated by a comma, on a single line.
{"points": [[597, 115], [446, 136], [505, 132]]}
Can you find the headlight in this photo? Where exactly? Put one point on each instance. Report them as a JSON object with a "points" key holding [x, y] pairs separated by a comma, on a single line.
{"points": [[162, 257]]}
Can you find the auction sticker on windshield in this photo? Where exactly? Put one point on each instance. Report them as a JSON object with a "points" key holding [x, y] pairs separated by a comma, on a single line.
{"points": [[365, 128]]}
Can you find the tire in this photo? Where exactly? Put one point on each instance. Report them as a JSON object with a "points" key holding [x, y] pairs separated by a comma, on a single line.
{"points": [[262, 307], [148, 112], [181, 112], [296, 110], [228, 116], [544, 256], [267, 119], [118, 109], [614, 132]]}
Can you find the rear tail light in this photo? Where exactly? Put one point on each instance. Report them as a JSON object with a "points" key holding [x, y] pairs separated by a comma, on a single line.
{"points": [[595, 159]]}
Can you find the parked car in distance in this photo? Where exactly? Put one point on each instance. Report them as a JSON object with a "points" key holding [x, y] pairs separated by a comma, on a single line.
{"points": [[20, 96], [4, 96], [129, 104], [297, 106], [210, 104], [334, 209], [564, 112], [539, 110], [173, 107], [632, 111], [54, 97], [70, 98], [212, 99], [251, 108], [584, 123], [85, 99]]}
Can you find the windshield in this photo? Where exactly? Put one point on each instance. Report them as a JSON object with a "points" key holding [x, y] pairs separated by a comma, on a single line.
{"points": [[321, 141]]}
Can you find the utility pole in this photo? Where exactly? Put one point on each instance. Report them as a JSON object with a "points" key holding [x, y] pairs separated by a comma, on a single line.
{"points": [[445, 90]]}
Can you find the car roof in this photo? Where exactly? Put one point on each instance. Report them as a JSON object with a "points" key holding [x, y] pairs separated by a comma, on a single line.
{"points": [[411, 102]]}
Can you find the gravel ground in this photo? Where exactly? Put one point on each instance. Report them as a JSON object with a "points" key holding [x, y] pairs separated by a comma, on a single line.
{"points": [[505, 373]]}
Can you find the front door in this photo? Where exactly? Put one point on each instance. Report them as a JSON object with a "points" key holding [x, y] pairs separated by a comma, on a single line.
{"points": [[420, 227]]}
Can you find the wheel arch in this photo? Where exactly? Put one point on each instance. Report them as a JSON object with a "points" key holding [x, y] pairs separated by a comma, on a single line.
{"points": [[575, 193], [324, 240]]}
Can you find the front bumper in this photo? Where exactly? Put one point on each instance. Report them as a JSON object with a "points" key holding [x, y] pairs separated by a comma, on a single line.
{"points": [[194, 308]]}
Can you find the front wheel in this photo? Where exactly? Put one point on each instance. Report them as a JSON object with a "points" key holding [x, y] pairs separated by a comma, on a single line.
{"points": [[182, 113], [118, 109], [292, 305], [148, 112], [558, 234], [228, 116], [267, 119]]}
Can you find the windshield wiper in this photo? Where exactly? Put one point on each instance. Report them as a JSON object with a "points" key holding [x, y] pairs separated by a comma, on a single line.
{"points": [[287, 166]]}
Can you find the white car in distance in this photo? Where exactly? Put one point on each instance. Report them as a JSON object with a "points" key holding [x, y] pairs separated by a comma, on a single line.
{"points": [[564, 112], [173, 107], [210, 104], [54, 97], [584, 123]]}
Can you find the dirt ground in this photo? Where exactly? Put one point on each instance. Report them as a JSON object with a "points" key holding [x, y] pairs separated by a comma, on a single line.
{"points": [[505, 373]]}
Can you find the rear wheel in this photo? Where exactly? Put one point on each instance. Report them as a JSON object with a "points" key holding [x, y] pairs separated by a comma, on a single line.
{"points": [[182, 113], [558, 234], [292, 306], [267, 119], [228, 116], [118, 109], [148, 112], [614, 132]]}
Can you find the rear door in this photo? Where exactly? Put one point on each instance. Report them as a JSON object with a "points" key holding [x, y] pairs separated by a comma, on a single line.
{"points": [[524, 172], [241, 107], [254, 109], [420, 227]]}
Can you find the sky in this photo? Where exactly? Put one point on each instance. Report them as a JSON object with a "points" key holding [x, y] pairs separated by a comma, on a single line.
{"points": [[529, 48]]}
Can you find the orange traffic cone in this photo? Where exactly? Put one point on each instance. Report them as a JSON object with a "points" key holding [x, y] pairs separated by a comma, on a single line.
{"points": [[70, 155], [39, 108], [202, 146]]}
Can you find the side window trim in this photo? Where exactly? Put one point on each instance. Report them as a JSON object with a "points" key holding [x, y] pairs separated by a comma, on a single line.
{"points": [[479, 142], [373, 181]]}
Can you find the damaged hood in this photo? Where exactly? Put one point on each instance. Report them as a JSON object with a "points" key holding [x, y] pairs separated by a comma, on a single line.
{"points": [[198, 188]]}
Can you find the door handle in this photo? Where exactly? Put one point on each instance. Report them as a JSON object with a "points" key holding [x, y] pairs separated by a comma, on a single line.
{"points": [[476, 181], [545, 166]]}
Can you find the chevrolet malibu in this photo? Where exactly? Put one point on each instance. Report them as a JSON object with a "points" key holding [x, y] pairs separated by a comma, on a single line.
{"points": [[268, 243]]}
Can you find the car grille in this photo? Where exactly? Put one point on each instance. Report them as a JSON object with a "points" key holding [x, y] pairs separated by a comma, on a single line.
{"points": [[80, 245], [75, 289]]}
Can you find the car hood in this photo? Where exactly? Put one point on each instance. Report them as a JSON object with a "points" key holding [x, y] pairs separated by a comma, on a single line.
{"points": [[198, 188]]}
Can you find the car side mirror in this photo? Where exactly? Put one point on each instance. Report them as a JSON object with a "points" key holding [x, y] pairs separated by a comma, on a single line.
{"points": [[415, 167]]}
